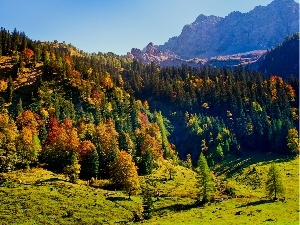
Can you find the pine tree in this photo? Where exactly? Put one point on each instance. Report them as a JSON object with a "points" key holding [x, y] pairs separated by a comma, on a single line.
{"points": [[274, 185], [147, 203], [89, 160], [10, 89], [147, 163], [188, 162], [205, 181], [73, 170], [20, 107]]}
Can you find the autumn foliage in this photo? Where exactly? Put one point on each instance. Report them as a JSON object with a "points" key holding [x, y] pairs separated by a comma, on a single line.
{"points": [[124, 173], [27, 55]]}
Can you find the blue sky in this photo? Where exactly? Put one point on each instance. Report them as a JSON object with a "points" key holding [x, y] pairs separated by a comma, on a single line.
{"points": [[111, 25]]}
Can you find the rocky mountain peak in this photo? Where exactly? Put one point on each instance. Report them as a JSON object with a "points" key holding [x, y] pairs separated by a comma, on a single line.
{"points": [[260, 29], [152, 50]]}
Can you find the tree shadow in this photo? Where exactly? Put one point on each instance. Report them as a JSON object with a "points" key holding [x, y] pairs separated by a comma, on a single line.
{"points": [[179, 207], [260, 202], [117, 198], [53, 179], [230, 168]]}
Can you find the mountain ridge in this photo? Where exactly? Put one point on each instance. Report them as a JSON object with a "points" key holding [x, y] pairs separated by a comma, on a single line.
{"points": [[259, 29]]}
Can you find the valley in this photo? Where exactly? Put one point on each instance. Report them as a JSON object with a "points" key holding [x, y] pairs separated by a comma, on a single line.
{"points": [[201, 130]]}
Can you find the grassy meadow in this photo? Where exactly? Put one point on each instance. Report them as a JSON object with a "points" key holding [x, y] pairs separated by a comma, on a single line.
{"points": [[38, 196]]}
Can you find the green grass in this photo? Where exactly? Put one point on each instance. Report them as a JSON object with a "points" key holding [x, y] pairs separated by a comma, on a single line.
{"points": [[38, 196]]}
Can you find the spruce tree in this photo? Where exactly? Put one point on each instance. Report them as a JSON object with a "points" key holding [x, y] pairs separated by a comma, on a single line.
{"points": [[274, 185], [205, 181], [20, 107], [73, 170], [147, 203]]}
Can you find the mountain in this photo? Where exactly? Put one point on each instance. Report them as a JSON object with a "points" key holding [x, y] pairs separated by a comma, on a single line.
{"points": [[167, 58], [282, 60], [260, 29], [152, 54]]}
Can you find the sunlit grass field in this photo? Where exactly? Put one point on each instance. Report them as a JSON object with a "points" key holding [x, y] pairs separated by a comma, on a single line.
{"points": [[38, 196]]}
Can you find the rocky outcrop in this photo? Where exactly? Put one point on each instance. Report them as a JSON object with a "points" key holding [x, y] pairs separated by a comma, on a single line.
{"points": [[152, 54], [260, 29]]}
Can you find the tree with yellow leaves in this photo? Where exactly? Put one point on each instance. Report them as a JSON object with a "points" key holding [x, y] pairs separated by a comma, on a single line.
{"points": [[29, 119], [106, 139], [28, 146], [293, 141], [123, 172], [8, 136]]}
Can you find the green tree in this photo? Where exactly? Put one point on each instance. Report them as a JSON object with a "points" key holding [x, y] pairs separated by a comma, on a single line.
{"points": [[28, 146], [293, 140], [89, 160], [188, 162], [274, 186], [73, 170], [205, 180], [147, 203], [147, 163], [169, 168]]}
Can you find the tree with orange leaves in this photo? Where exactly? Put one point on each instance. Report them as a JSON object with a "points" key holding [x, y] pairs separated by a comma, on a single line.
{"points": [[106, 138], [62, 140], [149, 143], [124, 174], [28, 146], [27, 55], [30, 120]]}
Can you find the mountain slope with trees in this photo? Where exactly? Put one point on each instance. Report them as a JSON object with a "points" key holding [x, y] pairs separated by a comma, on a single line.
{"points": [[283, 59], [117, 123]]}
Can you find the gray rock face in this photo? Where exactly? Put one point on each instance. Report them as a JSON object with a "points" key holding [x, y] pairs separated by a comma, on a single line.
{"points": [[152, 54], [260, 29]]}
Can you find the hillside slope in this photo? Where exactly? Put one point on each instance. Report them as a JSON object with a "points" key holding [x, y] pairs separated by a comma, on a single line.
{"points": [[282, 60], [38, 196]]}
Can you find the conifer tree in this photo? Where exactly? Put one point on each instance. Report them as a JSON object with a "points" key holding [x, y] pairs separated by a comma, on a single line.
{"points": [[274, 186], [147, 203], [89, 160], [147, 163], [20, 107], [205, 181], [73, 170], [188, 162]]}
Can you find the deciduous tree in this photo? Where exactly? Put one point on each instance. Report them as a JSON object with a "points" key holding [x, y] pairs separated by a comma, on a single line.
{"points": [[28, 146], [293, 140], [123, 173], [8, 136]]}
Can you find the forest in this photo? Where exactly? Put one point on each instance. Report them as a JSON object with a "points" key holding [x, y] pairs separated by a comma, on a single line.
{"points": [[104, 116]]}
